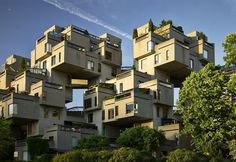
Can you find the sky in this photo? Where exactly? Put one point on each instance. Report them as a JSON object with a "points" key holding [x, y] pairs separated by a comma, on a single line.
{"points": [[24, 21]]}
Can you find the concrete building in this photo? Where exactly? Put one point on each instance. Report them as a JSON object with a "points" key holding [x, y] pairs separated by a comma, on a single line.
{"points": [[67, 58]]}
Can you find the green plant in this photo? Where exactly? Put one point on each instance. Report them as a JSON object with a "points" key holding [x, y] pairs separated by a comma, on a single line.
{"points": [[126, 155], [181, 155], [165, 22], [37, 146], [150, 26], [93, 142], [201, 35], [22, 65], [229, 46], [232, 148], [44, 158], [135, 33], [141, 138]]}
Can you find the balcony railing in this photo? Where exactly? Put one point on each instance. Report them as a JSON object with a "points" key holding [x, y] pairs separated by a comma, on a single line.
{"points": [[167, 121]]}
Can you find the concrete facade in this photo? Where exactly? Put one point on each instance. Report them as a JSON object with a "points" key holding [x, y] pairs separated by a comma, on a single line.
{"points": [[67, 58]]}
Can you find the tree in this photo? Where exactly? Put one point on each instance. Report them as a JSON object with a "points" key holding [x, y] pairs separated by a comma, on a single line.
{"points": [[166, 22], [22, 65], [229, 46], [142, 138], [37, 146], [6, 140], [93, 142], [181, 155], [126, 155], [208, 113], [150, 26], [232, 148], [135, 33]]}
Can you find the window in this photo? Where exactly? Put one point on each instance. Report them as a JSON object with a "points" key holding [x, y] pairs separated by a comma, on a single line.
{"points": [[129, 108], [88, 103], [121, 87], [167, 55], [157, 59], [158, 111], [103, 114], [13, 60], [99, 67], [113, 72], [116, 111], [36, 94], [45, 65], [108, 55], [205, 54], [46, 112], [165, 112], [12, 109], [191, 63], [59, 57], [158, 94], [90, 65], [143, 63], [25, 156], [17, 88], [48, 47], [53, 60], [135, 108], [1, 112], [56, 115], [110, 113], [74, 141], [90, 118], [95, 101], [154, 94], [150, 46]]}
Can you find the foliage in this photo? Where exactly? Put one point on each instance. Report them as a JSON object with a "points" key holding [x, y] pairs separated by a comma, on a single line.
{"points": [[180, 28], [141, 138], [37, 146], [207, 111], [166, 22], [133, 67], [22, 65], [181, 155], [126, 155], [135, 33], [229, 46], [201, 35], [6, 140], [84, 156], [232, 148], [151, 27], [93, 142], [44, 158]]}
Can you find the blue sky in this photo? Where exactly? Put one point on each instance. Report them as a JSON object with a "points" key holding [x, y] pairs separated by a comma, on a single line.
{"points": [[23, 21]]}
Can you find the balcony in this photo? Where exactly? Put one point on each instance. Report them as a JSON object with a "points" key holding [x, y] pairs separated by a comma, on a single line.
{"points": [[128, 107], [20, 107]]}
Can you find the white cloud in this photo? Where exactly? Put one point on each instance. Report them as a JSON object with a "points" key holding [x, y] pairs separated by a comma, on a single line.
{"points": [[75, 10]]}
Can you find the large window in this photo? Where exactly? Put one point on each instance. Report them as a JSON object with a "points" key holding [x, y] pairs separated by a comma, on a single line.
{"points": [[116, 111], [129, 108], [103, 114], [150, 46], [95, 101], [121, 87], [110, 113], [99, 67], [157, 59], [167, 55], [53, 60], [12, 109], [59, 57], [108, 55], [48, 47], [45, 64], [88, 103], [191, 63], [205, 54], [90, 65], [90, 118]]}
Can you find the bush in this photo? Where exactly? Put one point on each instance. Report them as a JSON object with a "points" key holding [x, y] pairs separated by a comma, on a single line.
{"points": [[141, 138], [181, 155], [37, 146], [93, 142], [44, 158], [84, 156], [126, 155]]}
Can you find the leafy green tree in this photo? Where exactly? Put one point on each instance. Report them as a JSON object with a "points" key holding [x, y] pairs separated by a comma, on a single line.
{"points": [[151, 26], [181, 155], [142, 138], [207, 111], [229, 46], [165, 22], [126, 155], [135, 33], [6, 140], [93, 142], [37, 146], [22, 65], [232, 148]]}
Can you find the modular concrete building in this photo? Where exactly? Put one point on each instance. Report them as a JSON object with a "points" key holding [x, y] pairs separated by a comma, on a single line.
{"points": [[67, 58]]}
